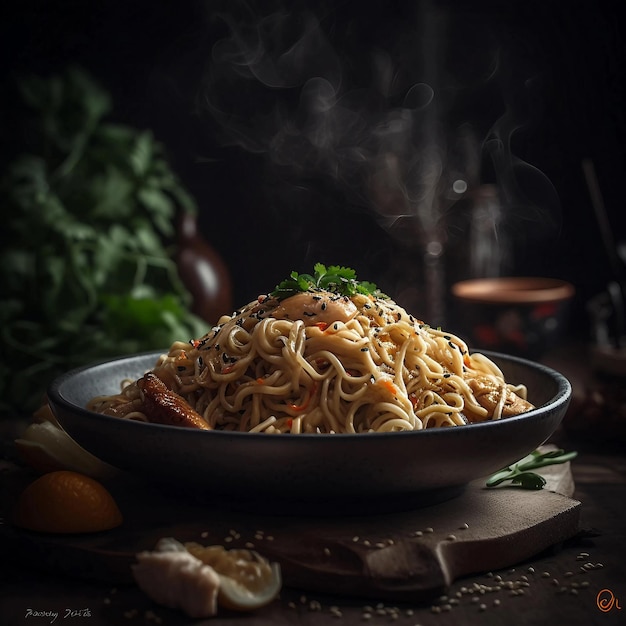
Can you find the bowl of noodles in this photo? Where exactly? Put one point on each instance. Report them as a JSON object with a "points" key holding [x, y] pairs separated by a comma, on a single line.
{"points": [[325, 392]]}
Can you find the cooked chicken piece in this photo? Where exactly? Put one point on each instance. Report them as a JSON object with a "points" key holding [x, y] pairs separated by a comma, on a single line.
{"points": [[488, 394], [314, 308], [172, 577], [164, 406]]}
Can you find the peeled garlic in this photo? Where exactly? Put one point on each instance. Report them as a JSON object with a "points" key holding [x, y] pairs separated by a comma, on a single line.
{"points": [[46, 447], [173, 577]]}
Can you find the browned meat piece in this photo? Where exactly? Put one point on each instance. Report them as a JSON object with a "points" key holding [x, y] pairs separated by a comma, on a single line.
{"points": [[488, 394], [164, 406]]}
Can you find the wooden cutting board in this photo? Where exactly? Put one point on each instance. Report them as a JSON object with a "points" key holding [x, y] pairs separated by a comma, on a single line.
{"points": [[402, 555]]}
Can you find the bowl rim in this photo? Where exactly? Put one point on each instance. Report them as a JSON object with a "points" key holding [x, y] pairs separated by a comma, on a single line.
{"points": [[562, 396], [513, 289]]}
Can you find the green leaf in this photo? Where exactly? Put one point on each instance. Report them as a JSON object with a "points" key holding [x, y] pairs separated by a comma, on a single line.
{"points": [[160, 207], [519, 474], [335, 278], [529, 480], [111, 193], [142, 154], [88, 207]]}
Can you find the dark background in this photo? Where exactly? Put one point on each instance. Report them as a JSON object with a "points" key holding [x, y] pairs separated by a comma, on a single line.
{"points": [[560, 70]]}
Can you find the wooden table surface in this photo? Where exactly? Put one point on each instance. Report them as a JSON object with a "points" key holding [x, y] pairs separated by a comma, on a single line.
{"points": [[582, 581]]}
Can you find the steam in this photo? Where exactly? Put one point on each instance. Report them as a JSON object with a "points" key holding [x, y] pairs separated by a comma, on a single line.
{"points": [[384, 123]]}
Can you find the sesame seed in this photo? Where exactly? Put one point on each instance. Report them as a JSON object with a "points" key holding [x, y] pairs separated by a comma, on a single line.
{"points": [[451, 537], [465, 526], [483, 607]]}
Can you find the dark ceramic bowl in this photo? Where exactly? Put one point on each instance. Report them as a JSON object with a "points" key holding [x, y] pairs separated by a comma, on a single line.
{"points": [[380, 470], [522, 316]]}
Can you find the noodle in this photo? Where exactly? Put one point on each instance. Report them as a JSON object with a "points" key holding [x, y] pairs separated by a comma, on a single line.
{"points": [[319, 362]]}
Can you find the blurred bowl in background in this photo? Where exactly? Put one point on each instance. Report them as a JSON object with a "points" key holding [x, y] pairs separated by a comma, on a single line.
{"points": [[523, 316]]}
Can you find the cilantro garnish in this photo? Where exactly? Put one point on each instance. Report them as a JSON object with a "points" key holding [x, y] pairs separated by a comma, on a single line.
{"points": [[519, 473], [334, 278]]}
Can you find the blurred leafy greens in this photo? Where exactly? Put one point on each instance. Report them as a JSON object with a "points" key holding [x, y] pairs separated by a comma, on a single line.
{"points": [[85, 268], [520, 475]]}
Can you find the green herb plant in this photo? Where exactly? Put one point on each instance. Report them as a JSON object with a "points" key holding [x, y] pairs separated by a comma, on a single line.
{"points": [[334, 278], [520, 474], [86, 269]]}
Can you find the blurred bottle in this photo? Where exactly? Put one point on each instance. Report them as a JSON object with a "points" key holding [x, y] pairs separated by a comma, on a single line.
{"points": [[202, 271]]}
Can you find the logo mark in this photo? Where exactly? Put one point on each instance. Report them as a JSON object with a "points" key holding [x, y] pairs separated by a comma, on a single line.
{"points": [[607, 601]]}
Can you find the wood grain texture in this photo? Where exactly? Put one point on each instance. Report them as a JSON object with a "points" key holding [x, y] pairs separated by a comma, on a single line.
{"points": [[400, 555]]}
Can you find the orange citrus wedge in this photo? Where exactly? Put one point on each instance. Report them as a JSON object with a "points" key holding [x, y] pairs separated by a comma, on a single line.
{"points": [[66, 502], [248, 581]]}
